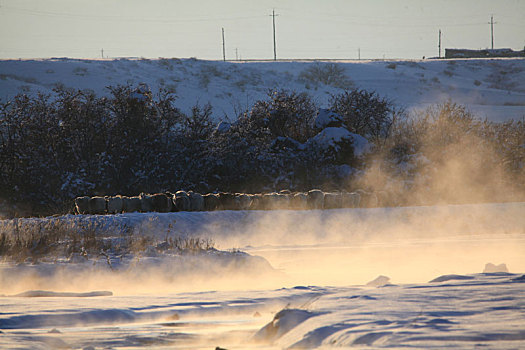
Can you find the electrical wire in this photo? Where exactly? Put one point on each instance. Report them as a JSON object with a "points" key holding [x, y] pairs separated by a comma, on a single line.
{"points": [[120, 18]]}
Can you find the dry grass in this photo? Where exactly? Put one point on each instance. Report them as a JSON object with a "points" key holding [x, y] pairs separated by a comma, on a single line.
{"points": [[53, 239]]}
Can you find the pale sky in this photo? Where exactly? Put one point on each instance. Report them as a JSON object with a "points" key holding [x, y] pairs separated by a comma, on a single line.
{"points": [[304, 29]]}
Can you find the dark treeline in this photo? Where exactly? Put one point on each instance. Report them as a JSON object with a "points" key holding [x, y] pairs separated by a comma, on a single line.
{"points": [[53, 149]]}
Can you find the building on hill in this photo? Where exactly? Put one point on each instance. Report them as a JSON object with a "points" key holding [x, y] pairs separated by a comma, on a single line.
{"points": [[466, 53]]}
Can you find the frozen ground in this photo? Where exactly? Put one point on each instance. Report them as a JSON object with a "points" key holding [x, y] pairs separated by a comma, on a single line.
{"points": [[468, 311], [317, 298], [492, 88]]}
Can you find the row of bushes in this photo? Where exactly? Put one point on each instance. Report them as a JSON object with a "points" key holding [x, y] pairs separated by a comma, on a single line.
{"points": [[53, 149]]}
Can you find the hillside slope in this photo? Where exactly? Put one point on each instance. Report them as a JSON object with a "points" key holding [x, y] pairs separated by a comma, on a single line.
{"points": [[492, 88]]}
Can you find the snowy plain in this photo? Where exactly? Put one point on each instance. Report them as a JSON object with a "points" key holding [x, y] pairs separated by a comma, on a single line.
{"points": [[311, 293], [491, 88]]}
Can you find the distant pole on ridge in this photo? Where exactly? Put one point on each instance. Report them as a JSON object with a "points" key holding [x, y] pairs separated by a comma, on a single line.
{"points": [[492, 31], [223, 47], [359, 53], [439, 44], [274, 45]]}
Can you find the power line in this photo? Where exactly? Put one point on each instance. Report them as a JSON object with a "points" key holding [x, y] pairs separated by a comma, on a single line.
{"points": [[122, 19], [389, 23]]}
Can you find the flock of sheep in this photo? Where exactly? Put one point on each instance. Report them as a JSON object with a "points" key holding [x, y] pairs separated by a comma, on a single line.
{"points": [[192, 201]]}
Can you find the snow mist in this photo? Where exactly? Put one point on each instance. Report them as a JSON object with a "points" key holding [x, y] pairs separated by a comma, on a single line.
{"points": [[409, 245]]}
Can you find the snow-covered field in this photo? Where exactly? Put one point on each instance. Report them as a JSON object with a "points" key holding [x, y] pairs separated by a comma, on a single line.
{"points": [[491, 88], [281, 279], [467, 311], [304, 284]]}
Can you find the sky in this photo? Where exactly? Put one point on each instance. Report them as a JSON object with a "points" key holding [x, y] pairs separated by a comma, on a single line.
{"points": [[339, 29]]}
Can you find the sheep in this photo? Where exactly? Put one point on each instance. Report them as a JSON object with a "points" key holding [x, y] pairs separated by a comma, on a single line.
{"points": [[373, 201], [386, 199], [182, 201], [173, 201], [211, 201], [245, 201], [192, 201], [196, 201], [146, 203], [256, 201], [97, 205], [161, 202], [228, 201], [368, 199], [125, 200], [115, 205], [131, 204], [268, 201], [333, 200], [315, 199], [351, 200], [82, 205], [273, 201], [299, 201], [283, 201]]}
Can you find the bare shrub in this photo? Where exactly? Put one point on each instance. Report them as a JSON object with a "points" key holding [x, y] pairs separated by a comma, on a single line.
{"points": [[284, 114], [190, 244], [80, 71], [330, 74], [445, 154], [365, 113]]}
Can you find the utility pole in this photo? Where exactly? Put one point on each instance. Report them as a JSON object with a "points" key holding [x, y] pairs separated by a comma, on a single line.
{"points": [[492, 31], [274, 45], [359, 53], [102, 53], [236, 54], [223, 47], [439, 44]]}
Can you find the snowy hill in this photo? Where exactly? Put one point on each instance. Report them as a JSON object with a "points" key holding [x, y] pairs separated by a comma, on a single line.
{"points": [[492, 88]]}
